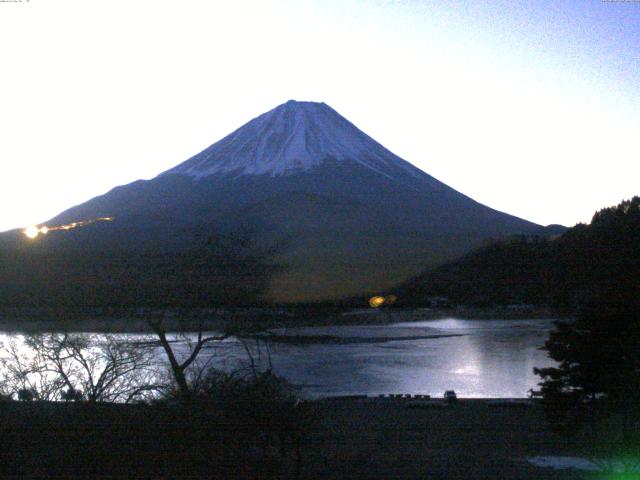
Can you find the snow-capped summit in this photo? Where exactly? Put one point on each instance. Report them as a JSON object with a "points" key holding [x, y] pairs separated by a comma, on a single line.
{"points": [[291, 138]]}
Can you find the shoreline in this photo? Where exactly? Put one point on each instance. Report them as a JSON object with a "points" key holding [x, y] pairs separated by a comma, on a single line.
{"points": [[245, 320]]}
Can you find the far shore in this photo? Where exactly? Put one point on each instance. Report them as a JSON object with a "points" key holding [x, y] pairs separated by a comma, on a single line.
{"points": [[243, 320]]}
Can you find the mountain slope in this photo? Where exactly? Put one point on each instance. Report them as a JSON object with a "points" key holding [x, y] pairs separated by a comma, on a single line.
{"points": [[347, 216]]}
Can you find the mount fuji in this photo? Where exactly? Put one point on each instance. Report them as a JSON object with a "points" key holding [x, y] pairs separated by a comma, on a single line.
{"points": [[347, 215]]}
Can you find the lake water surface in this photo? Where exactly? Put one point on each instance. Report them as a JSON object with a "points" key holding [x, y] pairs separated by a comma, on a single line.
{"points": [[476, 358], [486, 358]]}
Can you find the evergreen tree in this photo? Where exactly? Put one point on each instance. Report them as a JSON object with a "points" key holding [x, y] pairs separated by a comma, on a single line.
{"points": [[598, 365], [598, 355]]}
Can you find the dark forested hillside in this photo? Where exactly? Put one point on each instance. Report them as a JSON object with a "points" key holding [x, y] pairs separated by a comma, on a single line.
{"points": [[215, 270], [601, 258]]}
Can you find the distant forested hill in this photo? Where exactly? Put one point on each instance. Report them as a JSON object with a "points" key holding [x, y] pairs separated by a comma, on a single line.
{"points": [[600, 258], [213, 270]]}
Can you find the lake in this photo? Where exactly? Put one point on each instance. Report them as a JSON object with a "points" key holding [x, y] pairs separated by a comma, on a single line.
{"points": [[485, 358], [476, 358]]}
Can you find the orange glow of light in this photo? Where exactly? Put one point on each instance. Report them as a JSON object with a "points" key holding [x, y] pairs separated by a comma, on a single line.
{"points": [[375, 302], [34, 231], [378, 301]]}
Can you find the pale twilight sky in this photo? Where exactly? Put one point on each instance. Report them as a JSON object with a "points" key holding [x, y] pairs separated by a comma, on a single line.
{"points": [[530, 107]]}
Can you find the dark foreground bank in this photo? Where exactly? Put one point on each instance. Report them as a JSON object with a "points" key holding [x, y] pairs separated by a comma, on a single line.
{"points": [[348, 439]]}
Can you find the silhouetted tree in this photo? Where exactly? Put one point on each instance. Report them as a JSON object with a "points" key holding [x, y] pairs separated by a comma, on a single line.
{"points": [[179, 367], [96, 368], [270, 422], [25, 395], [598, 355], [598, 372]]}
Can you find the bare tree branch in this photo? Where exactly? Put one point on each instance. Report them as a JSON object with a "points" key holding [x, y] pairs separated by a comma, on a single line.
{"points": [[101, 367]]}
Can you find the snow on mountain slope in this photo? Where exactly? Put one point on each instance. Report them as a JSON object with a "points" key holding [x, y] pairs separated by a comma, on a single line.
{"points": [[294, 137]]}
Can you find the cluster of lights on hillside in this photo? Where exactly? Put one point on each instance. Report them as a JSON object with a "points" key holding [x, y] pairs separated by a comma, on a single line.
{"points": [[33, 231]]}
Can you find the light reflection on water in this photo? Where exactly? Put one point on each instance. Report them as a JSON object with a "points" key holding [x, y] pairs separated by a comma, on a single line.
{"points": [[489, 359], [484, 359]]}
